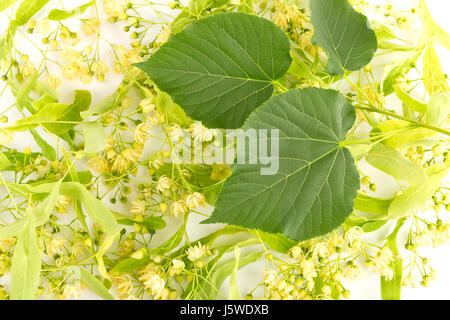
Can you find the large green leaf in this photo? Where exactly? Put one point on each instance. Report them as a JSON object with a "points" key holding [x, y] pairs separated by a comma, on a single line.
{"points": [[220, 68], [344, 34], [312, 193], [26, 263]]}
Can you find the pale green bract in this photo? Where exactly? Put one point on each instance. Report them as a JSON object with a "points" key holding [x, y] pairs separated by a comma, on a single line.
{"points": [[40, 215], [391, 289], [344, 34], [317, 180], [220, 68]]}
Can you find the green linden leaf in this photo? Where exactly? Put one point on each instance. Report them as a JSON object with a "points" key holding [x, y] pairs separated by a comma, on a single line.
{"points": [[58, 15], [219, 69], [313, 191], [26, 263], [344, 34]]}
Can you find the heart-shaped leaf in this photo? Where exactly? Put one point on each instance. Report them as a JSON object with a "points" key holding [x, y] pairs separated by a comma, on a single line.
{"points": [[220, 68], [344, 34], [313, 191]]}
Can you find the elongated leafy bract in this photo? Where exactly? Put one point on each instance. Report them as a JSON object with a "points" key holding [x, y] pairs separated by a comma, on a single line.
{"points": [[58, 15], [26, 10], [392, 162], [26, 263], [344, 34]]}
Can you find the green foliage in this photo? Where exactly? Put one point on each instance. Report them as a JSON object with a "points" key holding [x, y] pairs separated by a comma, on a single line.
{"points": [[438, 108], [58, 15], [391, 289], [402, 133], [95, 208], [223, 270], [94, 284], [26, 263], [395, 164], [4, 161], [226, 64], [40, 215], [56, 117], [409, 101], [306, 198], [175, 114], [344, 34], [373, 205], [5, 4], [26, 10], [131, 264], [277, 242], [94, 137], [433, 77], [415, 196], [218, 68], [400, 67]]}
